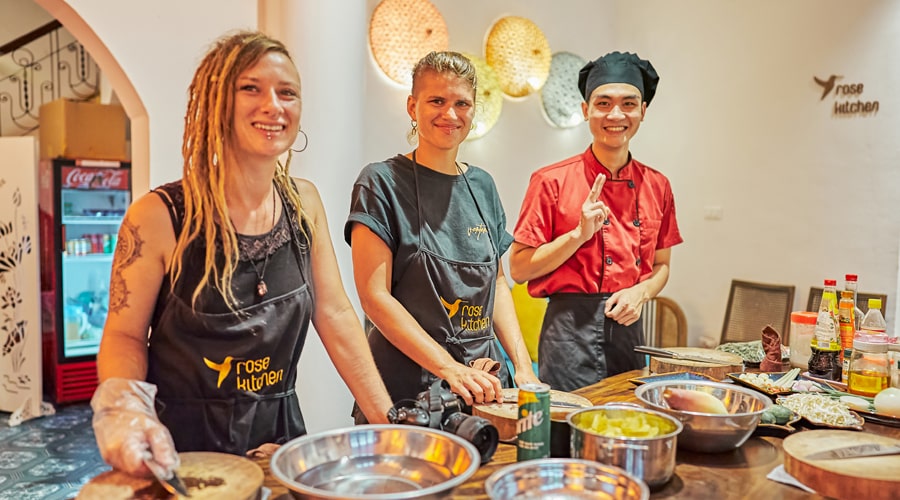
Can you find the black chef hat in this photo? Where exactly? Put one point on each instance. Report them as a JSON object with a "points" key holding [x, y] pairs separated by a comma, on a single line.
{"points": [[619, 67]]}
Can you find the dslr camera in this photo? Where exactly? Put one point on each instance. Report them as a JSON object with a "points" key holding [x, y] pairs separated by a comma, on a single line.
{"points": [[438, 408]]}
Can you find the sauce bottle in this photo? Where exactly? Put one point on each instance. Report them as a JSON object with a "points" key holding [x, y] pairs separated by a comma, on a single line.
{"points": [[846, 321]]}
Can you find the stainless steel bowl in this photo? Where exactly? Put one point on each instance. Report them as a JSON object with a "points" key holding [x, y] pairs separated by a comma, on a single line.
{"points": [[375, 462], [650, 458], [706, 432], [564, 478]]}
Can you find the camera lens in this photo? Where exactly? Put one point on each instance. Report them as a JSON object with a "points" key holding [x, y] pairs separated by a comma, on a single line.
{"points": [[476, 430]]}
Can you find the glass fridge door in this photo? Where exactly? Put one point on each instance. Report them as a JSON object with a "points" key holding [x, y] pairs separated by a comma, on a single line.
{"points": [[91, 220]]}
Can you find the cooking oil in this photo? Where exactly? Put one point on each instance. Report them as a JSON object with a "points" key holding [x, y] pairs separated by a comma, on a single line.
{"points": [[869, 366], [867, 382]]}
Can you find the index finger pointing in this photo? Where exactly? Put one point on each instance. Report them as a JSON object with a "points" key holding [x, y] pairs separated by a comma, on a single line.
{"points": [[597, 187]]}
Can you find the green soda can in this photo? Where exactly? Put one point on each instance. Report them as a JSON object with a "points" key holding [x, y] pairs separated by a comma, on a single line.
{"points": [[533, 424]]}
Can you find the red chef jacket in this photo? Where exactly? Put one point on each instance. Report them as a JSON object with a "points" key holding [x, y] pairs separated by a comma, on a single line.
{"points": [[621, 254]]}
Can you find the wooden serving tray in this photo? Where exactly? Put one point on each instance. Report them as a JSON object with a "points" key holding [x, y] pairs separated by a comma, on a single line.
{"points": [[871, 478]]}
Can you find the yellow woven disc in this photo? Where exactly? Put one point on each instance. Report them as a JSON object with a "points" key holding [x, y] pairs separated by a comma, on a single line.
{"points": [[488, 98], [403, 31], [520, 54]]}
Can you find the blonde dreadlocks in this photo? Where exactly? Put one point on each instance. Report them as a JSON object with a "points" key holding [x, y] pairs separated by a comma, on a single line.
{"points": [[207, 124]]}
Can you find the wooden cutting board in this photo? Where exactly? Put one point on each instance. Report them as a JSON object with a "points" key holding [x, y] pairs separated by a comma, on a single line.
{"points": [[871, 478], [207, 475], [721, 363], [504, 415]]}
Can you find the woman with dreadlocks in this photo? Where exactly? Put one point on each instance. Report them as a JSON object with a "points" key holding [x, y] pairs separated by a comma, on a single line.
{"points": [[225, 268]]}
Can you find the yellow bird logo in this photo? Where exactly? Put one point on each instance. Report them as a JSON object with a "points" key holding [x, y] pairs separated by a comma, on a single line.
{"points": [[453, 308], [224, 368]]}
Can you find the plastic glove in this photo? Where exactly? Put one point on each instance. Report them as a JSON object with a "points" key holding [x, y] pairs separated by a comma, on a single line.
{"points": [[127, 428]]}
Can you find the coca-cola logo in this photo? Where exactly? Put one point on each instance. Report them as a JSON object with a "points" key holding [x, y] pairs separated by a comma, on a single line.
{"points": [[94, 178]]}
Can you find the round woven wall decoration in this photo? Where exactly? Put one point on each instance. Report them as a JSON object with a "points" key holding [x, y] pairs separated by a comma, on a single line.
{"points": [[403, 31], [518, 51], [560, 98], [488, 98]]}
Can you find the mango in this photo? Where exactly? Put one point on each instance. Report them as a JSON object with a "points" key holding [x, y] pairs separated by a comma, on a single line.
{"points": [[694, 401]]}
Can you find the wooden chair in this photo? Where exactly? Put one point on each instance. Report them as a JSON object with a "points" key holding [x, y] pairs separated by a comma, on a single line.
{"points": [[665, 324], [752, 306], [862, 300]]}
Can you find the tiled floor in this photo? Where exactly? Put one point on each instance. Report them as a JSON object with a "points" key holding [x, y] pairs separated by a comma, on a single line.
{"points": [[48, 458]]}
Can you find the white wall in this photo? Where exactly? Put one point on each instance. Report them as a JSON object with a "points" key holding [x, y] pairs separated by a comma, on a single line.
{"points": [[738, 123], [331, 124]]}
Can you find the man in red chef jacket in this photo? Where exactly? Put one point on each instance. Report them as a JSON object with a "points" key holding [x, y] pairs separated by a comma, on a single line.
{"points": [[595, 233]]}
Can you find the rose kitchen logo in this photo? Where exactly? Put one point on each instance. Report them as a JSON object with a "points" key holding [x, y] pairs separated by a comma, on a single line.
{"points": [[846, 97]]}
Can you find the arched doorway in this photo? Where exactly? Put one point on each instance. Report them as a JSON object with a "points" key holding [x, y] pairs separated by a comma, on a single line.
{"points": [[121, 84]]}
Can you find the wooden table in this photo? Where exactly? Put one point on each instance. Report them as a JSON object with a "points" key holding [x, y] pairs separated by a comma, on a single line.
{"points": [[737, 474]]}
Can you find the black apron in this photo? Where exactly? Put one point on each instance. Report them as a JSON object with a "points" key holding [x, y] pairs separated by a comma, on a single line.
{"points": [[580, 346], [451, 300], [226, 380]]}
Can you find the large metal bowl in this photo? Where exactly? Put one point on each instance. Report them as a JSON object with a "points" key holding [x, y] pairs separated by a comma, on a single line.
{"points": [[564, 478], [375, 462], [707, 432], [650, 458]]}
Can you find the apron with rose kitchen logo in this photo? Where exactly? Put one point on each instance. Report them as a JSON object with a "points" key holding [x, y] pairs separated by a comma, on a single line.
{"points": [[451, 300], [226, 379]]}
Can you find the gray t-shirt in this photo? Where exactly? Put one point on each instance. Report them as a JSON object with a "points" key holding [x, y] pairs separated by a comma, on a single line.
{"points": [[384, 200]]}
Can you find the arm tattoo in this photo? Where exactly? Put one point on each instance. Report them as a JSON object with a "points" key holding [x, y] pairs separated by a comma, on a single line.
{"points": [[128, 249]]}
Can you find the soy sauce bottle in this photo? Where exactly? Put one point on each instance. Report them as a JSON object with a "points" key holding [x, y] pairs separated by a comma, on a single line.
{"points": [[825, 357]]}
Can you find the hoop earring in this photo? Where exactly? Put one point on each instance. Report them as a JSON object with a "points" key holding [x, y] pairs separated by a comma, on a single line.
{"points": [[412, 137], [305, 142]]}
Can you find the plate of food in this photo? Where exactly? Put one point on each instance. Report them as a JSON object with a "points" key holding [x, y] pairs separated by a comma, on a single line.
{"points": [[879, 418], [777, 421], [833, 384], [751, 352], [822, 410], [773, 384], [687, 376], [865, 407]]}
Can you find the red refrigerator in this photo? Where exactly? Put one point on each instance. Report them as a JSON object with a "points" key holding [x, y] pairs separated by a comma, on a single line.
{"points": [[81, 205]]}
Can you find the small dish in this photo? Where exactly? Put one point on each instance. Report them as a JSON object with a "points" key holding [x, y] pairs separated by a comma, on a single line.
{"points": [[838, 386], [671, 376], [779, 430], [879, 418], [763, 389], [752, 352], [856, 425]]}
